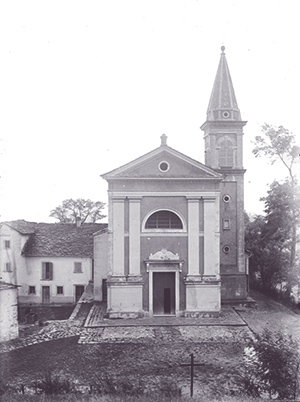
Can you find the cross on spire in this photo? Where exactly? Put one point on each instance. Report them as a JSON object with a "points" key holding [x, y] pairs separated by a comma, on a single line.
{"points": [[163, 139]]}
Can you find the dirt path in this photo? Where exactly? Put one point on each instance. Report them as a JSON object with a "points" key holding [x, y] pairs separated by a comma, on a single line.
{"points": [[272, 315]]}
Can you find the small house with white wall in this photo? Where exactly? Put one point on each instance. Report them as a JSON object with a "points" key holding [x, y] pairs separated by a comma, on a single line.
{"points": [[50, 262]]}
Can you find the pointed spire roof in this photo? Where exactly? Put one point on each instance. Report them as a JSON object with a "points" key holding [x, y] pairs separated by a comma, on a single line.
{"points": [[223, 104]]}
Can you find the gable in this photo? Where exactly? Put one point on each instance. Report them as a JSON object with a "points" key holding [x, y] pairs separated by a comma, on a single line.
{"points": [[22, 226], [163, 163]]}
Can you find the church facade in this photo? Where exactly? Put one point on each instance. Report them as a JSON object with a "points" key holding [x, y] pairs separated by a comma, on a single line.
{"points": [[175, 226]]}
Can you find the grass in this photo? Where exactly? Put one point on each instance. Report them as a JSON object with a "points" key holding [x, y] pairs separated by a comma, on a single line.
{"points": [[105, 367], [87, 398]]}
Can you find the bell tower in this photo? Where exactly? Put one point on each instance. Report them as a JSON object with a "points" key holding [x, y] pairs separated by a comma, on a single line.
{"points": [[223, 136]]}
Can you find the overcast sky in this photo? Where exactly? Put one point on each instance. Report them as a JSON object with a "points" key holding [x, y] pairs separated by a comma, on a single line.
{"points": [[86, 86]]}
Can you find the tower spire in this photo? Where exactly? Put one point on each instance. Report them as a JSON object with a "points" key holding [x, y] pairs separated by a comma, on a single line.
{"points": [[223, 104]]}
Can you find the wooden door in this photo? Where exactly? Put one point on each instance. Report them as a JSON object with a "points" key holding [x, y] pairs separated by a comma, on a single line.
{"points": [[163, 293], [104, 290], [79, 289], [46, 294]]}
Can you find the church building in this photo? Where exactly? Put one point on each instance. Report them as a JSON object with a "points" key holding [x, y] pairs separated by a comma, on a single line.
{"points": [[176, 226]]}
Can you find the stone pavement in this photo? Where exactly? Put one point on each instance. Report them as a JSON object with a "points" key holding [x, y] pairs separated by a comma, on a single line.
{"points": [[51, 331], [228, 327], [154, 334], [228, 317]]}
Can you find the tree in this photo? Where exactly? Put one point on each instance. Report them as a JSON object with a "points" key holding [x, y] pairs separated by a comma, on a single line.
{"points": [[71, 211], [266, 264], [278, 143], [269, 240], [271, 366]]}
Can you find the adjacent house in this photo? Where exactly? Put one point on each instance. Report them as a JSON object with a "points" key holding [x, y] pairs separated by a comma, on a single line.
{"points": [[8, 312], [50, 262], [176, 226]]}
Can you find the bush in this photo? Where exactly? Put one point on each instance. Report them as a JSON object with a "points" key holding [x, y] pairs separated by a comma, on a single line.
{"points": [[3, 387], [52, 385], [271, 366], [109, 385]]}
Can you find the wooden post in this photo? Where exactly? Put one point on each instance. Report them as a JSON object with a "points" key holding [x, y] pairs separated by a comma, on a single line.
{"points": [[192, 365], [192, 374]]}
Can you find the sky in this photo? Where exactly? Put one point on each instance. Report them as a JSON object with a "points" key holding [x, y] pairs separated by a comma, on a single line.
{"points": [[87, 86]]}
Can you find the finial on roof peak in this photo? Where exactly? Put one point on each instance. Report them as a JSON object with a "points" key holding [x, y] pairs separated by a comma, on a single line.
{"points": [[223, 48], [163, 139]]}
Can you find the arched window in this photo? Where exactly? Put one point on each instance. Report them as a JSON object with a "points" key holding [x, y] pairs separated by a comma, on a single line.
{"points": [[226, 153], [163, 220]]}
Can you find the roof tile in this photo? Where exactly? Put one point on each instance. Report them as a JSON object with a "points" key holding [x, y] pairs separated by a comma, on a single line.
{"points": [[62, 240]]}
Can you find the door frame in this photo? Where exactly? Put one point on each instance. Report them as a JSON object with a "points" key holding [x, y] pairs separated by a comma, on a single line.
{"points": [[44, 300], [163, 269], [75, 288]]}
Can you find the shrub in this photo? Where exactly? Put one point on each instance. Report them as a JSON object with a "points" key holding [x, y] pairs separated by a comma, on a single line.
{"points": [[109, 385], [271, 366], [3, 387], [52, 385], [169, 388]]}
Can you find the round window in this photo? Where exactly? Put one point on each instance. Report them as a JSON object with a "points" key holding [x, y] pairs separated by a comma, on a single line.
{"points": [[226, 249], [226, 198], [225, 115], [164, 166]]}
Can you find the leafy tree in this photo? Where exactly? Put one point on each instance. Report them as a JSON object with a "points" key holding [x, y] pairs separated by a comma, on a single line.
{"points": [[279, 144], [266, 261], [71, 211], [269, 240], [271, 366]]}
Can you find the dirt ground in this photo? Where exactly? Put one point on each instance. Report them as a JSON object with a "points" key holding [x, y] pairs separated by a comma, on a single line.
{"points": [[272, 315], [148, 363]]}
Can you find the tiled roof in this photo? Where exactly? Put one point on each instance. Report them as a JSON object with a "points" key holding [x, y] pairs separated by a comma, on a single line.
{"points": [[22, 226], [62, 240]]}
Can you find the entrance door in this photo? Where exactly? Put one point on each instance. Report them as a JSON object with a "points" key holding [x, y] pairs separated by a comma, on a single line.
{"points": [[46, 294], [164, 293], [104, 290], [79, 289]]}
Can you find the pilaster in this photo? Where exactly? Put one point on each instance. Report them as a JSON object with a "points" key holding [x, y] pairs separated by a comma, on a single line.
{"points": [[211, 236], [118, 236], [193, 237], [134, 236]]}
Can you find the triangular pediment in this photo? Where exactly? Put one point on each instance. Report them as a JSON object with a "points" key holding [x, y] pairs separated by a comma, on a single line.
{"points": [[163, 162]]}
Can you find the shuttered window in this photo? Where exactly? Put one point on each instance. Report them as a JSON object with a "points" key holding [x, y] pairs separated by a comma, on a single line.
{"points": [[77, 267], [164, 220], [226, 154], [7, 267], [47, 271]]}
